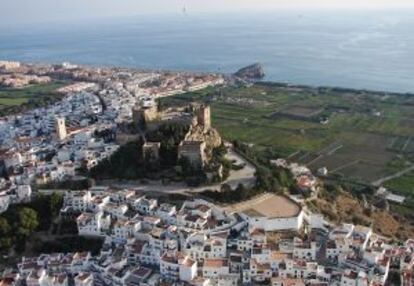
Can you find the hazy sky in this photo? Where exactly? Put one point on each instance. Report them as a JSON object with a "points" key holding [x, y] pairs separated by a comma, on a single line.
{"points": [[28, 11]]}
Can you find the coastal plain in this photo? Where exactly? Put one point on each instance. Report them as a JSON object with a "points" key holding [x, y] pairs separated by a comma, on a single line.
{"points": [[358, 135]]}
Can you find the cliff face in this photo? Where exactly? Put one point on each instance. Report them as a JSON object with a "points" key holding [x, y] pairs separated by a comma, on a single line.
{"points": [[251, 72]]}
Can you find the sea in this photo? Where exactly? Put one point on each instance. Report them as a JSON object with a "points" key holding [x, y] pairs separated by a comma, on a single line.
{"points": [[353, 49]]}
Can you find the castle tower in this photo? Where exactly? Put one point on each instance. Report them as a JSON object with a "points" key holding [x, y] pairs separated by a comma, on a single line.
{"points": [[151, 151], [144, 114], [194, 152], [204, 117], [137, 115], [60, 128]]}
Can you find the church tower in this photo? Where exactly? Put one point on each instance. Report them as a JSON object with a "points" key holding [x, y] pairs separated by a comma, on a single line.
{"points": [[60, 128]]}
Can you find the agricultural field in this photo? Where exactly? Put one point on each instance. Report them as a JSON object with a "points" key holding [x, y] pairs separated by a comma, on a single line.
{"points": [[14, 99], [404, 184], [403, 144], [357, 135]]}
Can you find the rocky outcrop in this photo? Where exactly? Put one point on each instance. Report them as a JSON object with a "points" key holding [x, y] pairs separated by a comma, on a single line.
{"points": [[252, 72], [212, 138], [209, 136]]}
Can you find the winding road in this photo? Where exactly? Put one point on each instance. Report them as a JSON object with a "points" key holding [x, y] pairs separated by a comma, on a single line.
{"points": [[245, 176]]}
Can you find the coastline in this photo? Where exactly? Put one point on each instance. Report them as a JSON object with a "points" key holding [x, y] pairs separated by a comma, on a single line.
{"points": [[351, 53], [230, 77]]}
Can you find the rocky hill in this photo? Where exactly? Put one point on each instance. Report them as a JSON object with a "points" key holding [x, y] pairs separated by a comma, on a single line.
{"points": [[251, 72]]}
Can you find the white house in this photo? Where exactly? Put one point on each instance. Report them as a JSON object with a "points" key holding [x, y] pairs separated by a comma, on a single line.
{"points": [[78, 200], [55, 279], [304, 249], [169, 265], [213, 268], [167, 213], [36, 277], [187, 269], [115, 210], [337, 247], [84, 279], [124, 229], [4, 203], [145, 206], [352, 278], [93, 224]]}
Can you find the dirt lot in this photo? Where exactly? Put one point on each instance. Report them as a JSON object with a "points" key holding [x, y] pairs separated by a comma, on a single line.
{"points": [[267, 205]]}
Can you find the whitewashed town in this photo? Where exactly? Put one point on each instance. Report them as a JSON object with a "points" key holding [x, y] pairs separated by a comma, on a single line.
{"points": [[49, 143], [269, 239], [199, 243]]}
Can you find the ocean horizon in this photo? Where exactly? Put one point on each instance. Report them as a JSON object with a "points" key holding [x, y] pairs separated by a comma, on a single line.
{"points": [[349, 49]]}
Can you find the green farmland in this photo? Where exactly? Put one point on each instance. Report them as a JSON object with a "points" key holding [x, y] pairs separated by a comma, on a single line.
{"points": [[405, 184], [357, 135], [15, 100]]}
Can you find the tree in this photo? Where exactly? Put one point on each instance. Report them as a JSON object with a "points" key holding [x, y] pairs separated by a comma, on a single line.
{"points": [[4, 226], [186, 167], [5, 238], [27, 221], [125, 163], [242, 192], [394, 278], [56, 202], [264, 179], [41, 205], [284, 178], [220, 152]]}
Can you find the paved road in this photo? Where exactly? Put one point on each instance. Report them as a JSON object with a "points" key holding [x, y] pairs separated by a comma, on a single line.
{"points": [[394, 176], [245, 176]]}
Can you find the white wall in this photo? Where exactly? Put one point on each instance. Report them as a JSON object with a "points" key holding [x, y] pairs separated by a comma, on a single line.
{"points": [[272, 224]]}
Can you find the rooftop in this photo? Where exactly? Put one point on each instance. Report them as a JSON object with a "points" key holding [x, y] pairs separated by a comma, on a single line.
{"points": [[216, 263]]}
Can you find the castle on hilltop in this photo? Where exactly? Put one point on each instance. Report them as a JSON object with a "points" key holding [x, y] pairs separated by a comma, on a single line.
{"points": [[147, 115], [198, 143]]}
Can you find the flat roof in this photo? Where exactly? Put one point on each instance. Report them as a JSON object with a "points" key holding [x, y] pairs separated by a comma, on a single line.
{"points": [[219, 262]]}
